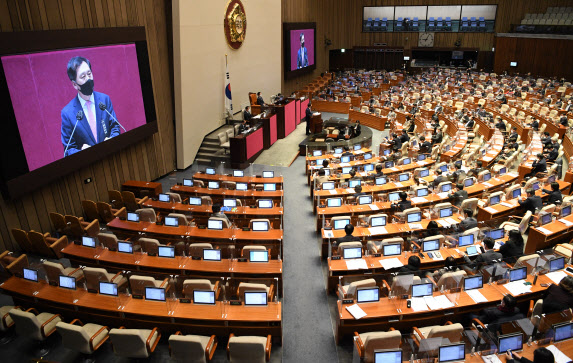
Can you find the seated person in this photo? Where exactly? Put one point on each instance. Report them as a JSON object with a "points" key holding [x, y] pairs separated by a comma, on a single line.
{"points": [[534, 124], [551, 154], [512, 249], [378, 173], [413, 266], [540, 355], [555, 196], [532, 203], [439, 178], [500, 124], [244, 126], [321, 177], [538, 166], [404, 136], [455, 177], [437, 137], [459, 195], [217, 212], [450, 265], [468, 222], [506, 311], [395, 142], [559, 297], [425, 146], [512, 137], [475, 171], [403, 204], [485, 258], [348, 229], [358, 191]]}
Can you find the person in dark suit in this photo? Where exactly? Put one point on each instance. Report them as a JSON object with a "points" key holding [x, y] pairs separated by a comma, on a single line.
{"points": [[555, 196], [413, 266], [244, 126], [459, 196], [439, 178], [563, 121], [559, 297], [356, 129], [468, 222], [94, 124], [247, 116], [540, 355], [425, 146], [534, 125], [505, 312], [512, 137], [404, 137], [538, 166], [260, 100], [470, 124], [403, 204], [532, 202], [395, 142], [302, 55], [348, 229], [487, 257], [513, 247], [308, 116], [437, 137], [500, 124], [551, 154]]}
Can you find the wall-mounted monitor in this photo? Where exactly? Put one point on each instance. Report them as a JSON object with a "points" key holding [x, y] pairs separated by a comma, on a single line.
{"points": [[299, 41], [513, 64]]}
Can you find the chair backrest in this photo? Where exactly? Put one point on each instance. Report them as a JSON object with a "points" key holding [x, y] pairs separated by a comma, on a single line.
{"points": [[174, 197], [139, 283], [380, 340], [410, 211], [189, 285], [22, 239], [104, 211], [39, 243], [26, 324], [188, 348], [509, 191], [115, 198], [536, 312], [224, 220], [59, 222], [247, 349], [529, 183], [522, 261], [451, 280], [196, 249], [108, 240], [129, 342], [94, 275], [129, 200], [231, 185], [247, 249], [206, 200], [453, 332], [495, 194], [247, 286], [74, 337], [182, 218], [76, 228], [359, 284], [149, 245], [470, 203], [344, 245], [147, 215], [90, 210], [53, 271]]}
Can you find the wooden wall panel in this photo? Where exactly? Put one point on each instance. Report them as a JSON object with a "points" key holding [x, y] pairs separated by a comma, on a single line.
{"points": [[341, 22], [146, 160]]}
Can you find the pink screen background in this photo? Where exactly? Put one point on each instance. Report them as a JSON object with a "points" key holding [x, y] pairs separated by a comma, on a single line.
{"points": [[39, 88], [295, 46]]}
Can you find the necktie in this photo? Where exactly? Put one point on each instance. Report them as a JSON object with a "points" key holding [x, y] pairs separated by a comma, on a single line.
{"points": [[92, 119]]}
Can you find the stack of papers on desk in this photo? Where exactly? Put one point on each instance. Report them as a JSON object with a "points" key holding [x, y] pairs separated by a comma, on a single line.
{"points": [[443, 223], [328, 234], [356, 264], [419, 200], [390, 263], [492, 358], [517, 288], [443, 195], [337, 155], [565, 222], [343, 164], [487, 158], [356, 311], [419, 304], [556, 276], [485, 184], [438, 302], [398, 184], [476, 296], [514, 175], [506, 204], [350, 190], [491, 209], [450, 220], [373, 206], [377, 230], [415, 225], [332, 191], [543, 230], [358, 152], [558, 355]]}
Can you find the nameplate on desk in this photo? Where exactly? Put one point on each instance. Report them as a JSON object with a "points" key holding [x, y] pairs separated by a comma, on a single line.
{"points": [[333, 191], [491, 209], [185, 301], [196, 257], [151, 254], [347, 301], [565, 222], [544, 230], [509, 205], [335, 258], [444, 223], [419, 200], [377, 230], [328, 234], [235, 302], [373, 207], [414, 226], [242, 259], [398, 185], [140, 297], [443, 195], [488, 185], [253, 206], [377, 255], [246, 229], [77, 242]]}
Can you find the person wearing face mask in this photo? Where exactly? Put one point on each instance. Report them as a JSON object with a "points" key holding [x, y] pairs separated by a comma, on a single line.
{"points": [[89, 118], [302, 56]]}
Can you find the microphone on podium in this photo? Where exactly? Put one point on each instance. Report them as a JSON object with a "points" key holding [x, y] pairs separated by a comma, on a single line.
{"points": [[79, 116], [103, 107]]}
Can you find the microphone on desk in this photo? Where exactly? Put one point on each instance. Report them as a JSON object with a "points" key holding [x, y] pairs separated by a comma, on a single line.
{"points": [[103, 107], [79, 116]]}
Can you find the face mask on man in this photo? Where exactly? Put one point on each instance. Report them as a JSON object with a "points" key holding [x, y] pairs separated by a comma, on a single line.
{"points": [[87, 88]]}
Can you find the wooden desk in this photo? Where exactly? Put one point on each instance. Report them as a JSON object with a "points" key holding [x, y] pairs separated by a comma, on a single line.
{"points": [[220, 319], [366, 119], [247, 196], [559, 232], [245, 148], [249, 179], [316, 123], [329, 106], [151, 189]]}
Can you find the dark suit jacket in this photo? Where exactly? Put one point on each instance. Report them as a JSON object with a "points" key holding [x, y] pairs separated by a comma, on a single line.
{"points": [[539, 166], [308, 114], [468, 223], [425, 147], [556, 299], [554, 196], [495, 317], [106, 126], [260, 101], [247, 116], [485, 258], [459, 196], [439, 179], [402, 205], [531, 203], [510, 249]]}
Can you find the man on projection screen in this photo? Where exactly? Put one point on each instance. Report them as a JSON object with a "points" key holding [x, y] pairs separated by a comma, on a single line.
{"points": [[302, 57], [89, 118]]}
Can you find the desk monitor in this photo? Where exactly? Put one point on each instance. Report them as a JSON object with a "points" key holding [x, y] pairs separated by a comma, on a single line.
{"points": [[473, 282], [164, 197], [516, 193], [317, 153], [210, 171], [369, 167], [496, 234], [124, 247], [68, 282], [565, 211], [468, 182], [429, 246], [452, 353], [211, 254], [444, 168], [557, 264], [260, 226], [550, 179], [345, 159], [448, 147], [242, 186], [472, 251], [513, 342], [215, 224], [486, 177], [346, 169], [255, 298], [155, 293], [265, 203], [367, 156], [268, 174], [166, 251], [133, 217], [446, 187], [204, 297], [368, 294], [446, 212], [466, 240], [338, 150], [327, 172], [354, 182], [546, 218], [403, 177], [406, 161], [392, 249], [535, 186], [517, 274], [30, 274], [414, 143], [230, 203], [107, 288], [171, 221], [494, 200], [414, 217], [238, 173], [424, 173], [188, 182], [563, 331], [389, 164], [195, 201], [334, 202], [357, 147], [352, 252], [387, 152], [269, 187], [88, 241], [388, 356], [259, 256], [422, 192], [378, 221], [213, 185], [502, 171], [327, 185], [381, 180], [513, 64], [421, 290], [421, 157], [365, 199], [319, 162], [393, 196], [341, 223]]}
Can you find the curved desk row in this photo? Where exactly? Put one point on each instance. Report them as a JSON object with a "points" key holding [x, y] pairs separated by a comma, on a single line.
{"points": [[248, 196], [237, 179]]}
